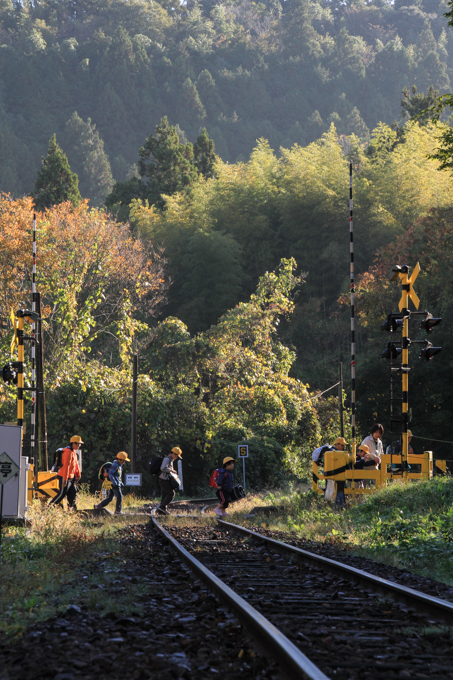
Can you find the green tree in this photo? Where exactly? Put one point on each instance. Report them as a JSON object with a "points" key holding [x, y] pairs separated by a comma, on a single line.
{"points": [[55, 183], [88, 158], [419, 105], [190, 105], [165, 164], [204, 156], [122, 195], [213, 278]]}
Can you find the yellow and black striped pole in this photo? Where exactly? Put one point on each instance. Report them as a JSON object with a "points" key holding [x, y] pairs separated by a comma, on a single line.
{"points": [[405, 369], [20, 368], [407, 292]]}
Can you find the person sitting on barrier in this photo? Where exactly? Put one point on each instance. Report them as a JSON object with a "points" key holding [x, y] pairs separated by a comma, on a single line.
{"points": [[318, 454], [364, 458], [340, 443], [374, 443], [395, 449], [68, 474], [168, 479], [225, 483], [114, 474]]}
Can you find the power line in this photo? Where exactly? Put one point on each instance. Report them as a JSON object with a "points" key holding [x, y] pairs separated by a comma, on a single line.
{"points": [[321, 393]]}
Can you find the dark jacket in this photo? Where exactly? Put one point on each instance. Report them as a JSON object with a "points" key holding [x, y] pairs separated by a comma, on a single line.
{"points": [[361, 463], [225, 480]]}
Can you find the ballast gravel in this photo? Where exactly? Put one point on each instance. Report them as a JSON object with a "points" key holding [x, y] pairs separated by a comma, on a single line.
{"points": [[180, 631]]}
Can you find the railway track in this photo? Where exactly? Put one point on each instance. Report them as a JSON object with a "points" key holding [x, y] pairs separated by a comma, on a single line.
{"points": [[319, 618]]}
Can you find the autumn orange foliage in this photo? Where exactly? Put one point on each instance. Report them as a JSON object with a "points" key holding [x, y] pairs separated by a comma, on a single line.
{"points": [[90, 270]]}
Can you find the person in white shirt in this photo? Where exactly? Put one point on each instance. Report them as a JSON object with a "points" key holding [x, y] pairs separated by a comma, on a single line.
{"points": [[374, 443]]}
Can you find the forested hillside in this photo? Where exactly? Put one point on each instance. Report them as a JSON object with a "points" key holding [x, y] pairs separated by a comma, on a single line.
{"points": [[101, 74]]}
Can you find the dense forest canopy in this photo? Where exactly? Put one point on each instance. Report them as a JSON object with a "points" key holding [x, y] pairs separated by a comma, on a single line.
{"points": [[226, 268], [102, 74]]}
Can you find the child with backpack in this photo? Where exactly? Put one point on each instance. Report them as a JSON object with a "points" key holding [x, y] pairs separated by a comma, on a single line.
{"points": [[66, 465], [224, 486], [114, 475]]}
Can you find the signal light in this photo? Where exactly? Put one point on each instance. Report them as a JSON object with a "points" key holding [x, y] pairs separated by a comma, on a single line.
{"points": [[394, 322], [391, 351], [9, 374], [429, 351], [429, 322], [394, 272]]}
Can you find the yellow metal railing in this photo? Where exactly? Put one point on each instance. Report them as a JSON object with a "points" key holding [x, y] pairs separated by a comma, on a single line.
{"points": [[338, 467]]}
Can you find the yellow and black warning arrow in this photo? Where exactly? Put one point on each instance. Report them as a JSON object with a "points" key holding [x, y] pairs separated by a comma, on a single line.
{"points": [[15, 340], [407, 282]]}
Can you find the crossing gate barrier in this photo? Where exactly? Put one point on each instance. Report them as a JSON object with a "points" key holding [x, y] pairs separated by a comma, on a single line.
{"points": [[338, 467], [47, 486]]}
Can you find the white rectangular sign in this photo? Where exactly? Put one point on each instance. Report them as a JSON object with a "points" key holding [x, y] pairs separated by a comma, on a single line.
{"points": [[133, 479], [11, 444]]}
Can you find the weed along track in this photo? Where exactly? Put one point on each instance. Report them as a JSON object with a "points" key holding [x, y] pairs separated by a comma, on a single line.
{"points": [[348, 625]]}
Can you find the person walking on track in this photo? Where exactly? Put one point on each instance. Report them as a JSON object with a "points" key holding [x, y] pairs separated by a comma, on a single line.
{"points": [[68, 474], [114, 474], [225, 483], [168, 479]]}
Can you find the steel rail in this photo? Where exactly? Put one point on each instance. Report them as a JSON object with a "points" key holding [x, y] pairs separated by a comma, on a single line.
{"points": [[433, 606], [293, 661], [195, 500]]}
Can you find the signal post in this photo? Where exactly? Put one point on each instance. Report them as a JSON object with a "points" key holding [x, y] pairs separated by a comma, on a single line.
{"points": [[400, 321], [407, 291]]}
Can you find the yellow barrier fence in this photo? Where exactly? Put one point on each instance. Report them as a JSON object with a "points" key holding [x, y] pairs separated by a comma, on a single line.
{"points": [[338, 467], [47, 485]]}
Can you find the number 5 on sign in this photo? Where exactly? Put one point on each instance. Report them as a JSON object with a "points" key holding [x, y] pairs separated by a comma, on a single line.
{"points": [[243, 452]]}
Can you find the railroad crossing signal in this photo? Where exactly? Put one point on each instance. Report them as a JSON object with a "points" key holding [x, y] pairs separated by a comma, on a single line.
{"points": [[429, 322], [9, 373], [394, 322], [400, 322], [15, 340], [428, 351], [391, 351], [407, 282]]}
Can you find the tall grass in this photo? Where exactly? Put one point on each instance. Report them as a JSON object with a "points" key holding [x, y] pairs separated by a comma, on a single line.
{"points": [[37, 560], [407, 525]]}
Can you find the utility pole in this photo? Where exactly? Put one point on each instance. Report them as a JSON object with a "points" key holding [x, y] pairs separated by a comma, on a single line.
{"points": [[34, 332], [352, 286], [42, 456]]}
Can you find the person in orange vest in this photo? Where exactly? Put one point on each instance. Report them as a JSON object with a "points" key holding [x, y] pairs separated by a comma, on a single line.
{"points": [[69, 473]]}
